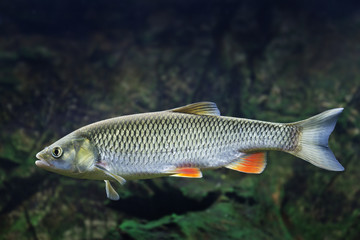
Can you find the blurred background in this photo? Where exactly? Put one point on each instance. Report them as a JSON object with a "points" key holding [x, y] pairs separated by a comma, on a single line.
{"points": [[65, 64]]}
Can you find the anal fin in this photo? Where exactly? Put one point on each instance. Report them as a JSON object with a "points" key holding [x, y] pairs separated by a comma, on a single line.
{"points": [[249, 163], [186, 172]]}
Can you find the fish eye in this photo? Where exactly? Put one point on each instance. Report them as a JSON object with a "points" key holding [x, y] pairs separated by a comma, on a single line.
{"points": [[57, 152]]}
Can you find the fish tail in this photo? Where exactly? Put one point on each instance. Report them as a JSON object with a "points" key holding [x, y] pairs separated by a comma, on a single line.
{"points": [[313, 143]]}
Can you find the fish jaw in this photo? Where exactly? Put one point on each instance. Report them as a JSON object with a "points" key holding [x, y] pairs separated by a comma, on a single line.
{"points": [[41, 162]]}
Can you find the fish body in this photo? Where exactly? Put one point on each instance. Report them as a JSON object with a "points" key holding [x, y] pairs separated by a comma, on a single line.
{"points": [[182, 141]]}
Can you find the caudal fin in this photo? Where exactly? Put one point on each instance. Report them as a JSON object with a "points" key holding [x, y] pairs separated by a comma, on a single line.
{"points": [[313, 143]]}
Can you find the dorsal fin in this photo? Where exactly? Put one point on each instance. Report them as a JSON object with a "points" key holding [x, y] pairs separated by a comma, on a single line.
{"points": [[200, 108]]}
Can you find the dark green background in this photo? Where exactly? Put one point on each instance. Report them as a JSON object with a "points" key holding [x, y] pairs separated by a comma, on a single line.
{"points": [[65, 64]]}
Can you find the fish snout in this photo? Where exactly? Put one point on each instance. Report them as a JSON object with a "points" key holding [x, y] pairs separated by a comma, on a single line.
{"points": [[41, 162]]}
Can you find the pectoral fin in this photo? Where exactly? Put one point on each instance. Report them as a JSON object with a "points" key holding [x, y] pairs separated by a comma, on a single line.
{"points": [[110, 191], [186, 172], [121, 180]]}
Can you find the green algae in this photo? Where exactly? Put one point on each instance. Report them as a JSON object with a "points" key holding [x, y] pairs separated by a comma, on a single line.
{"points": [[224, 223]]}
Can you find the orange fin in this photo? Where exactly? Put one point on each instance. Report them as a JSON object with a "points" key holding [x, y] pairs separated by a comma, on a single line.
{"points": [[250, 163], [186, 172]]}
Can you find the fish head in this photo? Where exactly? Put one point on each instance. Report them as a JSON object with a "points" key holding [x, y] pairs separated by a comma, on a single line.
{"points": [[70, 156]]}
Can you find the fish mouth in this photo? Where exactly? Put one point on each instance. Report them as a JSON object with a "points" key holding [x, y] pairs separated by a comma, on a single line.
{"points": [[41, 162]]}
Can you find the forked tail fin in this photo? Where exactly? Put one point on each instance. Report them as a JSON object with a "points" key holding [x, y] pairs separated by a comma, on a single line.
{"points": [[313, 143]]}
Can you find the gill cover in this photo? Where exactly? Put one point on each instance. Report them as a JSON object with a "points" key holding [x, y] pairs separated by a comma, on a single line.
{"points": [[85, 155]]}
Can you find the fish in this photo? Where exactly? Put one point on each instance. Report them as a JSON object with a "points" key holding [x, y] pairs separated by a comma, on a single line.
{"points": [[181, 142]]}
